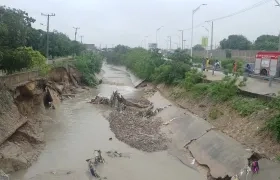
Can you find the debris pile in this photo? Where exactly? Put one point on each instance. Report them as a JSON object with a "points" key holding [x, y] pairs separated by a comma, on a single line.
{"points": [[94, 162], [3, 175], [116, 154], [134, 122]]}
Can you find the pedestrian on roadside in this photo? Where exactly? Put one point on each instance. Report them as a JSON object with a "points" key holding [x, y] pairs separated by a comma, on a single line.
{"points": [[203, 64], [207, 63], [216, 65], [234, 67]]}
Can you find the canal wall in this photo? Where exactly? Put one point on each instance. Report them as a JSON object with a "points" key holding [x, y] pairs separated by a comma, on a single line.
{"points": [[17, 78]]}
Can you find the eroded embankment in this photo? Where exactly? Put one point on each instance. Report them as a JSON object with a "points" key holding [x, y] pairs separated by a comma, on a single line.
{"points": [[22, 112], [218, 145]]}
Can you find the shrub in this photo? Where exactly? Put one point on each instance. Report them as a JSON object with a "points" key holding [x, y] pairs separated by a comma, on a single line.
{"points": [[200, 89], [223, 90], [246, 106], [171, 73], [193, 77], [88, 63], [227, 66], [23, 58], [273, 125]]}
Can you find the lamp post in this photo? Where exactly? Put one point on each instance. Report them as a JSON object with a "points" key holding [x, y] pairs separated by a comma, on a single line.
{"points": [[157, 35], [182, 36], [193, 12], [146, 41]]}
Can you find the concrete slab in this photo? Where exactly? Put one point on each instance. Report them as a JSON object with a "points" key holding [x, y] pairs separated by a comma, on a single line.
{"points": [[222, 154], [186, 129]]}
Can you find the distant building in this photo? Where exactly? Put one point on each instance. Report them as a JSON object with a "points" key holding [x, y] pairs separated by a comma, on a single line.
{"points": [[152, 46], [90, 47]]}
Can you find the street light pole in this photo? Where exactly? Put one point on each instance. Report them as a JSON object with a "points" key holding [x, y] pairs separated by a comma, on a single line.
{"points": [[193, 12], [146, 41], [182, 36], [157, 35], [169, 42]]}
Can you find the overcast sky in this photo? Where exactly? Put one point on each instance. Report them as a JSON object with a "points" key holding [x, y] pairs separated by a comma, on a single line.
{"points": [[127, 22]]}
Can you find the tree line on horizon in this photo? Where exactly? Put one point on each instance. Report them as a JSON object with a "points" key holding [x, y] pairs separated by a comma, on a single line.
{"points": [[240, 42], [22, 46]]}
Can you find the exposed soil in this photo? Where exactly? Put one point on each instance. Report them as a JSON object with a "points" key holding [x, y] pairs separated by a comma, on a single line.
{"points": [[246, 130], [22, 112]]}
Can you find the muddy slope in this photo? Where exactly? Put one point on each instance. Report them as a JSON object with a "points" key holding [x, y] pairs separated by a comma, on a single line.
{"points": [[22, 111]]}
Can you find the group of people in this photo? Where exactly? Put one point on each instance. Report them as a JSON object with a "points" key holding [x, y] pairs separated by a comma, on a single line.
{"points": [[206, 64]]}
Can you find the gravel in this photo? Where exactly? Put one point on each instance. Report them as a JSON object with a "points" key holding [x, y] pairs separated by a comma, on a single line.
{"points": [[138, 132]]}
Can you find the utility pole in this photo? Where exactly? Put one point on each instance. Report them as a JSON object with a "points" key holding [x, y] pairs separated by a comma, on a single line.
{"points": [[182, 36], [212, 32], [76, 31], [157, 35], [48, 29], [170, 40], [81, 39], [278, 4], [279, 42]]}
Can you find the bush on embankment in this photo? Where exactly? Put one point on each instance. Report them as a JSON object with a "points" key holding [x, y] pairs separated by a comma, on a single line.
{"points": [[88, 64], [22, 58], [177, 71]]}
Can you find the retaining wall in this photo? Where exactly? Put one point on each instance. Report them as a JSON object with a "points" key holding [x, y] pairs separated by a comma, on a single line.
{"points": [[17, 78]]}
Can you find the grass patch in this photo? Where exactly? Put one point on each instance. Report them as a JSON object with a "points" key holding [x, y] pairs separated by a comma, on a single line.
{"points": [[215, 113], [273, 126], [246, 106]]}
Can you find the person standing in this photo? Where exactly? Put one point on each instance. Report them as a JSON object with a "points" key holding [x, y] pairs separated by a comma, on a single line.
{"points": [[207, 63], [203, 64], [234, 67]]}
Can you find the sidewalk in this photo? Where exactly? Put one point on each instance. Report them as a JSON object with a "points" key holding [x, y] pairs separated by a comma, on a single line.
{"points": [[253, 85]]}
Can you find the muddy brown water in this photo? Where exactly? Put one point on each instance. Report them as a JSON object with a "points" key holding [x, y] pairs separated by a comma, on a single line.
{"points": [[79, 128]]}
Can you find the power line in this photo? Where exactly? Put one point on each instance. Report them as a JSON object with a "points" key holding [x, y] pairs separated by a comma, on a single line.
{"points": [[242, 11]]}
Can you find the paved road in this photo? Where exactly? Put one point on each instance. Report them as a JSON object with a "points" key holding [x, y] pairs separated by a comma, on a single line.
{"points": [[252, 85]]}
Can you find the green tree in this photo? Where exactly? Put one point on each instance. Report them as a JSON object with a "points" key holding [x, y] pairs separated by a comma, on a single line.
{"points": [[267, 43], [198, 47], [237, 42], [180, 55], [15, 25]]}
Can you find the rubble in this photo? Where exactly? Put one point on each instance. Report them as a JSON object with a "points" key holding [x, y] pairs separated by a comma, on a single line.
{"points": [[3, 175], [133, 122], [114, 154]]}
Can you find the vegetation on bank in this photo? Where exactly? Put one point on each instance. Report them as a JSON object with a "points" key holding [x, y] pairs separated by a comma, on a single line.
{"points": [[88, 64], [178, 71], [23, 47]]}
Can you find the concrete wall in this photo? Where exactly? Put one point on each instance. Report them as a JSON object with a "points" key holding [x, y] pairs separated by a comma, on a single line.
{"points": [[247, 55], [17, 78]]}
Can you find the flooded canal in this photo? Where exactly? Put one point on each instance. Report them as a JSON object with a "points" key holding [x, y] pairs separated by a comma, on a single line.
{"points": [[79, 128]]}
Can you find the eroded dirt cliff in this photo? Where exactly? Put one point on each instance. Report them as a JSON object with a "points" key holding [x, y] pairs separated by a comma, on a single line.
{"points": [[22, 111]]}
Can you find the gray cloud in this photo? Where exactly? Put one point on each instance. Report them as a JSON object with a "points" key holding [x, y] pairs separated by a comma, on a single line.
{"points": [[129, 21]]}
